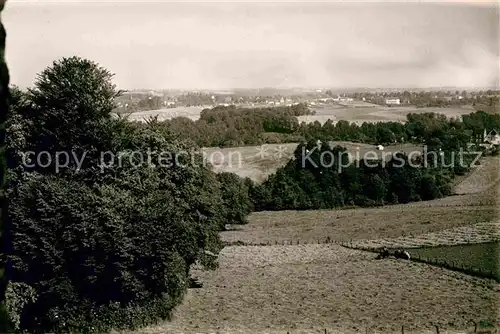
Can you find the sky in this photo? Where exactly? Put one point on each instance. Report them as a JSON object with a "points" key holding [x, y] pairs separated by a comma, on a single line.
{"points": [[223, 45]]}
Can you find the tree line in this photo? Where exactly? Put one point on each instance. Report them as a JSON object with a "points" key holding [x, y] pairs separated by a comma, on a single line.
{"points": [[232, 127], [308, 182]]}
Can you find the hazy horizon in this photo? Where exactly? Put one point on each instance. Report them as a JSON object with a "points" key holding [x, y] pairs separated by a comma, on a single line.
{"points": [[167, 45]]}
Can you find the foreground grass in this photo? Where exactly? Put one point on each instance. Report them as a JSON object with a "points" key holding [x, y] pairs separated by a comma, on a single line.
{"points": [[310, 288], [356, 224], [313, 287]]}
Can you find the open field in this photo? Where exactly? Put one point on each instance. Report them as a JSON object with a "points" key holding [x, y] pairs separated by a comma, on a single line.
{"points": [[168, 113], [467, 234], [483, 178], [357, 104], [376, 114], [481, 256], [360, 114], [367, 226], [258, 162], [469, 217], [310, 288]]}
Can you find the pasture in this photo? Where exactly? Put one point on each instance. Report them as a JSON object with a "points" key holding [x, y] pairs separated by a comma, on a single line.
{"points": [[376, 114], [314, 286], [358, 115], [258, 162], [310, 288], [192, 113]]}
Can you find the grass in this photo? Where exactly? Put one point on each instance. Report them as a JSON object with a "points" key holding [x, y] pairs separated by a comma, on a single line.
{"points": [[482, 257], [469, 217], [192, 113], [357, 224], [310, 288]]}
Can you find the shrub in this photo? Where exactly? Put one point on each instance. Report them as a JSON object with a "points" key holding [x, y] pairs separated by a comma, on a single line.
{"points": [[235, 197]]}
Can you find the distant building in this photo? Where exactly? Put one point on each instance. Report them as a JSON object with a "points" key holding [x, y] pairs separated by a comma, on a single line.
{"points": [[493, 137], [346, 99], [392, 101]]}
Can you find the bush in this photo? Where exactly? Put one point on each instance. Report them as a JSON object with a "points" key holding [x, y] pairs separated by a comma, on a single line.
{"points": [[235, 198]]}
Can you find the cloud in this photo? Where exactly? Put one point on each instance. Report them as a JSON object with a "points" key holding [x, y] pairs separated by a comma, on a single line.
{"points": [[168, 45]]}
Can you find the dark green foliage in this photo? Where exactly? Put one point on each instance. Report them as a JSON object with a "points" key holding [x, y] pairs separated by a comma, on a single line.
{"points": [[237, 204], [83, 250], [109, 245], [5, 322], [319, 183]]}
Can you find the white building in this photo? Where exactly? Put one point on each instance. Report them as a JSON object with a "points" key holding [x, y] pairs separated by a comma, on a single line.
{"points": [[392, 101], [493, 137], [346, 99]]}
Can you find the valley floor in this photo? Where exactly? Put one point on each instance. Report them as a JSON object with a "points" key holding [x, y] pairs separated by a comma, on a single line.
{"points": [[311, 287]]}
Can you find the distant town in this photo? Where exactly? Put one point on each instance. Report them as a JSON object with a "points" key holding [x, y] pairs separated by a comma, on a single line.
{"points": [[145, 100]]}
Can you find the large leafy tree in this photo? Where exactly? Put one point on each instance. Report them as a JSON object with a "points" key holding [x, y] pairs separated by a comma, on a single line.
{"points": [[71, 105], [110, 245]]}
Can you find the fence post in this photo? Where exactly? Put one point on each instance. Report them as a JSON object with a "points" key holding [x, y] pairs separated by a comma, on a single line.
{"points": [[437, 329], [403, 329], [475, 325]]}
